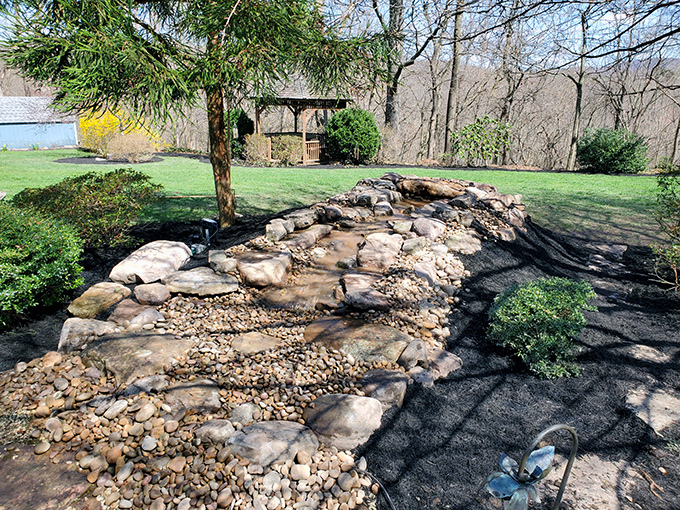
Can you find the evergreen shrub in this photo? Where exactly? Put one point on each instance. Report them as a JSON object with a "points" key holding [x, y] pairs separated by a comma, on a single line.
{"points": [[609, 151], [352, 135], [539, 321], [38, 261], [101, 206], [667, 214]]}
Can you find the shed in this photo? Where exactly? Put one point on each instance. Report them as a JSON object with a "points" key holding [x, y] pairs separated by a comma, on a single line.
{"points": [[30, 122]]}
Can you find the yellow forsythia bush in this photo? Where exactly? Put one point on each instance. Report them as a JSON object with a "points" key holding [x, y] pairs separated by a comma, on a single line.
{"points": [[99, 130]]}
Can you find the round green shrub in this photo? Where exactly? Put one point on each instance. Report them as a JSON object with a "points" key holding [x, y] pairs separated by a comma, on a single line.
{"points": [[38, 261], [102, 207], [609, 151], [352, 135], [539, 321]]}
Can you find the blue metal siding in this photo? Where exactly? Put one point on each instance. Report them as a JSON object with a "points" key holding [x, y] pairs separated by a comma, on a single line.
{"points": [[23, 136]]}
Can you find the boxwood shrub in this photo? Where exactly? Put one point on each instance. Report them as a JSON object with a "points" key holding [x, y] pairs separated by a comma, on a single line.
{"points": [[38, 261], [352, 135], [609, 151], [539, 321], [101, 206]]}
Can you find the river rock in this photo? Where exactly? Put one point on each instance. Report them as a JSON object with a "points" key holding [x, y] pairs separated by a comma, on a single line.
{"points": [[151, 262], [98, 298], [215, 431], [202, 395], [464, 243], [364, 341], [270, 442], [415, 245], [245, 414], [343, 421], [265, 268], [250, 343], [152, 294], [387, 386], [130, 356], [77, 333], [429, 228], [220, 262], [402, 227], [201, 281], [427, 271], [379, 250], [445, 213]]}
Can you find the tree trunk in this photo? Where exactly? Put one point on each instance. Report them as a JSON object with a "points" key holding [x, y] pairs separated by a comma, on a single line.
{"points": [[220, 154], [676, 141], [575, 128], [452, 100], [395, 42]]}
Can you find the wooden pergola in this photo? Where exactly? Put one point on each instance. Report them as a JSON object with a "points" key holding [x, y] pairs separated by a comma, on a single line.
{"points": [[301, 108]]}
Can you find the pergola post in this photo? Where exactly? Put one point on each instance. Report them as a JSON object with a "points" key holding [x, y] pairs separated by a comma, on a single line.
{"points": [[304, 136]]}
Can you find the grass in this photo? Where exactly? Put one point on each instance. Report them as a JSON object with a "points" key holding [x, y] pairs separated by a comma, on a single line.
{"points": [[612, 208]]}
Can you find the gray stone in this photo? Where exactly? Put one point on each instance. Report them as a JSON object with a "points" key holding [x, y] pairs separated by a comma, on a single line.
{"points": [[215, 431], [332, 213], [379, 250], [507, 234], [360, 294], [428, 227], [463, 242], [77, 333], [369, 197], [303, 218], [442, 363], [655, 407], [201, 281], [129, 356], [245, 414], [148, 316], [347, 262], [464, 201], [439, 249], [98, 298], [346, 223], [415, 245], [516, 217], [252, 342], [387, 386], [383, 209], [202, 395], [422, 377], [309, 237], [466, 218], [151, 262], [271, 442], [363, 341], [444, 212], [145, 413], [426, 271], [148, 385], [343, 421], [275, 231], [430, 187], [402, 227], [115, 409], [414, 354], [220, 262], [265, 268], [127, 310], [125, 471], [149, 443], [152, 294]]}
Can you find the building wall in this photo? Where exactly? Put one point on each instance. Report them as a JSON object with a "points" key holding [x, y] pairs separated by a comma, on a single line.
{"points": [[26, 136]]}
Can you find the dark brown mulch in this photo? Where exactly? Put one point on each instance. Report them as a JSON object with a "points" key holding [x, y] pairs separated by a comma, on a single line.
{"points": [[437, 450]]}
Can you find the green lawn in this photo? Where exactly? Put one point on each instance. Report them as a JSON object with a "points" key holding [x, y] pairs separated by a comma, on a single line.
{"points": [[615, 208]]}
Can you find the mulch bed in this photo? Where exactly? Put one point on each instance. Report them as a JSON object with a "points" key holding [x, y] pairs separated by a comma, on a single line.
{"points": [[437, 450]]}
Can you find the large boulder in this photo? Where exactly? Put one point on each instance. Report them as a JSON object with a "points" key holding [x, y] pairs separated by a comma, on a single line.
{"points": [[265, 268], [272, 442], [303, 218], [429, 228], [151, 262], [343, 421], [130, 356], [98, 298], [127, 310], [202, 395], [371, 196], [220, 262], [379, 250], [360, 294], [215, 431], [77, 333], [309, 237], [429, 187], [152, 294], [200, 281], [363, 341], [464, 243], [387, 386]]}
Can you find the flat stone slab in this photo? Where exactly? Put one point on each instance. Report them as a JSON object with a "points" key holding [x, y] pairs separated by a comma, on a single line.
{"points": [[343, 421], [379, 250], [463, 242], [151, 262], [265, 268], [250, 343], [655, 407], [200, 281], [202, 395], [360, 294], [309, 237], [134, 356], [429, 228], [98, 298], [36, 483], [127, 310], [271, 442], [368, 342]]}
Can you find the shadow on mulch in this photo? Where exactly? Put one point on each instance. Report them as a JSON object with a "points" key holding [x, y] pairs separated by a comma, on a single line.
{"points": [[437, 450]]}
